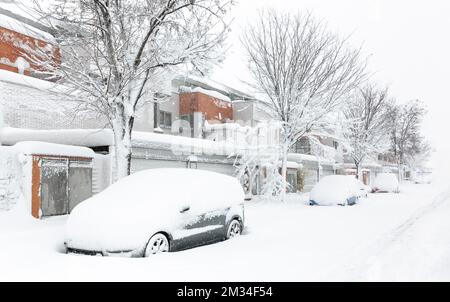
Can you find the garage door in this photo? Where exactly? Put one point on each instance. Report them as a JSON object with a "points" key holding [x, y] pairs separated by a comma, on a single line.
{"points": [[80, 182], [54, 182], [64, 184]]}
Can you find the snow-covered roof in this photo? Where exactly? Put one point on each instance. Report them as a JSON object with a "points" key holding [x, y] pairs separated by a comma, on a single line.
{"points": [[19, 19], [203, 82], [293, 165], [23, 80], [211, 93], [311, 158], [184, 144], [326, 134], [40, 148], [22, 8], [75, 137], [104, 137]]}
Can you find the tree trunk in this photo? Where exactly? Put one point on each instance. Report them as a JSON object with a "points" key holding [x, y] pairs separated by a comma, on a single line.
{"points": [[122, 155], [284, 172], [122, 129], [358, 170]]}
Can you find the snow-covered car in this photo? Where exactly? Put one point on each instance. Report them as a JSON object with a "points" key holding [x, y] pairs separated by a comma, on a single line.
{"points": [[335, 190], [154, 211], [386, 183], [423, 178]]}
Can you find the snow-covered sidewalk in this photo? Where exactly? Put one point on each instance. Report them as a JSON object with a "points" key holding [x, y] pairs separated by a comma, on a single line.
{"points": [[392, 237]]}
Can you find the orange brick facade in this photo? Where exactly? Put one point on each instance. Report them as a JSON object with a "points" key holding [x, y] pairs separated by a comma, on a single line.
{"points": [[14, 45], [213, 108]]}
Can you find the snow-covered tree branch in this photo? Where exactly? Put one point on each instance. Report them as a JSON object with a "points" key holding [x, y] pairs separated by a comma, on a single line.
{"points": [[407, 143], [303, 70], [367, 118], [115, 54]]}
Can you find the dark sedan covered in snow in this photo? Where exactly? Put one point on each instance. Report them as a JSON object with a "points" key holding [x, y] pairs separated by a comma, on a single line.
{"points": [[155, 211]]}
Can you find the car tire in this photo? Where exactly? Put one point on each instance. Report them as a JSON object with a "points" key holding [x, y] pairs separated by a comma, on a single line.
{"points": [[159, 243], [234, 229]]}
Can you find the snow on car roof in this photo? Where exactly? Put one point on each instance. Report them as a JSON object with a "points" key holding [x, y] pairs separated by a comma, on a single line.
{"points": [[168, 185]]}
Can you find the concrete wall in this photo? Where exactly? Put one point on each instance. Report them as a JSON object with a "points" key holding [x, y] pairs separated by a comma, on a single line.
{"points": [[251, 111]]}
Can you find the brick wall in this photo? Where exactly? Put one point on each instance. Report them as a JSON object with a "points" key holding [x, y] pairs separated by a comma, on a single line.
{"points": [[14, 46], [213, 108]]}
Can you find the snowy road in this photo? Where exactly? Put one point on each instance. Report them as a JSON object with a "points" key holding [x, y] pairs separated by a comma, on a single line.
{"points": [[388, 237]]}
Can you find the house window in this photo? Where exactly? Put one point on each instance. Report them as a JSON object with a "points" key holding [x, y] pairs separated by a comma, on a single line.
{"points": [[165, 119], [335, 145], [303, 146]]}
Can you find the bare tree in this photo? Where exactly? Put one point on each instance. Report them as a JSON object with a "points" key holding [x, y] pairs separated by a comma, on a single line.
{"points": [[406, 140], [115, 53], [303, 70], [367, 118]]}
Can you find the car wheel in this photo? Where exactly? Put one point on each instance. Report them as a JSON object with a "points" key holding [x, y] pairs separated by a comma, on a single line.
{"points": [[234, 229], [156, 245]]}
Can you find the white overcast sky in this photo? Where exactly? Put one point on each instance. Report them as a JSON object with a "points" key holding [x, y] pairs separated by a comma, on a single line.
{"points": [[408, 43]]}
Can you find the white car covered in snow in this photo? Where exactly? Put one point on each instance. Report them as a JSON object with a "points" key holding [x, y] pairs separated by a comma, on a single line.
{"points": [[154, 211], [386, 183], [336, 190]]}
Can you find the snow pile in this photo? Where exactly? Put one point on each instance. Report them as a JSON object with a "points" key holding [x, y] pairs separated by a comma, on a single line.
{"points": [[344, 244], [10, 177], [127, 214]]}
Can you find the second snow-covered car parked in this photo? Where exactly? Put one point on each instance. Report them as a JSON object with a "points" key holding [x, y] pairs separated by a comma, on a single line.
{"points": [[161, 210], [386, 183], [336, 190]]}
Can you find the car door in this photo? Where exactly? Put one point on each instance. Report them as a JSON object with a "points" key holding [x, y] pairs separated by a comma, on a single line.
{"points": [[215, 222], [190, 230]]}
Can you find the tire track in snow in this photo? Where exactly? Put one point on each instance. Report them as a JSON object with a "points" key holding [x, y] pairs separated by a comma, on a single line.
{"points": [[364, 261]]}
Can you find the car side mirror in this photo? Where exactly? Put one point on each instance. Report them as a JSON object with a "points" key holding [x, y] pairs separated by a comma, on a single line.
{"points": [[185, 209]]}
